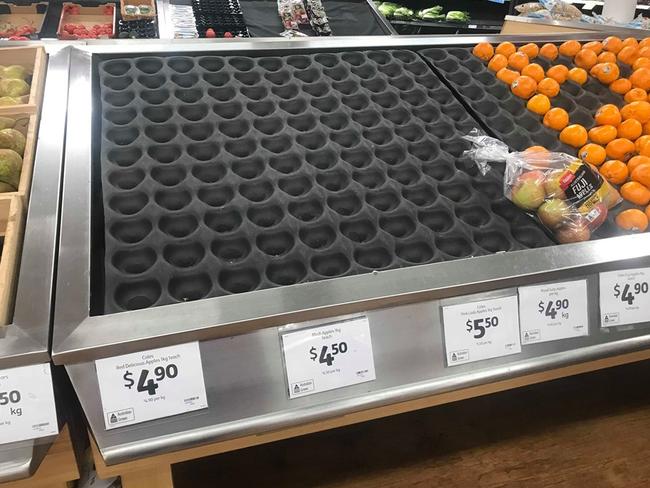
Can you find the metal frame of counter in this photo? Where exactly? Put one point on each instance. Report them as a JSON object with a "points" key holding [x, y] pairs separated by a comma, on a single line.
{"points": [[239, 337], [26, 341]]}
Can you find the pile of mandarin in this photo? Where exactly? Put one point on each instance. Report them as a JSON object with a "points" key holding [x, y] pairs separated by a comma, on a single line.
{"points": [[619, 143]]}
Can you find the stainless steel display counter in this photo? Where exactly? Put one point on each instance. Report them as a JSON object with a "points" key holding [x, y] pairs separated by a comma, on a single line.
{"points": [[238, 334], [529, 25], [26, 340]]}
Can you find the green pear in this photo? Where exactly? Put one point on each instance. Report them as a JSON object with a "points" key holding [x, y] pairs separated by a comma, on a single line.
{"points": [[10, 101], [10, 87], [12, 139], [10, 165], [14, 71], [7, 123]]}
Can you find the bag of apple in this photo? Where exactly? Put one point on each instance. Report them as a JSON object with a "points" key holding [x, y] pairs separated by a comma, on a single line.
{"points": [[567, 195]]}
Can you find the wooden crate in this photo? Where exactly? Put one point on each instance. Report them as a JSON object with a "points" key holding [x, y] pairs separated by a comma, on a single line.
{"points": [[34, 59], [32, 14], [150, 3], [87, 16], [12, 226]]}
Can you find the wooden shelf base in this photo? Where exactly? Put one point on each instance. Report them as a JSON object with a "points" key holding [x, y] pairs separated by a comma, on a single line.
{"points": [[59, 467]]}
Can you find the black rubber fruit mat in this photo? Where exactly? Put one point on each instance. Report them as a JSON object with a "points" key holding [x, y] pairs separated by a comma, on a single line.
{"points": [[225, 175], [505, 115]]}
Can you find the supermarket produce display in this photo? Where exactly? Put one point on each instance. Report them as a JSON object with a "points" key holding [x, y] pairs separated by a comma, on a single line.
{"points": [[226, 193], [272, 171]]}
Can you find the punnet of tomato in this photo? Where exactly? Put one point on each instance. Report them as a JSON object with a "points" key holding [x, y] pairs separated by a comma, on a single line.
{"points": [[565, 194]]}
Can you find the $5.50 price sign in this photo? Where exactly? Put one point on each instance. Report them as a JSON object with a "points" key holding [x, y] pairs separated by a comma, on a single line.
{"points": [[329, 356], [151, 384], [27, 409], [553, 311], [481, 330], [624, 297]]}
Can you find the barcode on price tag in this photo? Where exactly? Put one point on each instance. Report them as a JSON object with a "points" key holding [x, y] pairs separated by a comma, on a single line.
{"points": [[624, 297], [329, 356], [481, 330], [151, 384]]}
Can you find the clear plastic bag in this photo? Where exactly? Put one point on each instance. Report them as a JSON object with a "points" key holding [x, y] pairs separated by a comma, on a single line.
{"points": [[529, 8], [562, 10], [569, 197]]}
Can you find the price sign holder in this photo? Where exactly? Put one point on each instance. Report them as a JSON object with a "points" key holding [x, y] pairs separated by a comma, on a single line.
{"points": [[624, 297], [151, 384], [553, 311], [328, 356], [27, 409], [481, 330]]}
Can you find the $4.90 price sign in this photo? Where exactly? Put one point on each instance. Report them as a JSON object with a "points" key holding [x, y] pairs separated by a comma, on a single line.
{"points": [[151, 384], [329, 356], [27, 409], [481, 330], [624, 297], [553, 311]]}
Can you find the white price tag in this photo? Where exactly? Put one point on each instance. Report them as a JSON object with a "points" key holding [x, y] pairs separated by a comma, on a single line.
{"points": [[554, 311], [624, 297], [27, 409], [151, 384], [329, 356], [481, 330]]}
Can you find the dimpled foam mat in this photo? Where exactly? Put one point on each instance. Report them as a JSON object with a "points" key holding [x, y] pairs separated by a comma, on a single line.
{"points": [[505, 114], [225, 175]]}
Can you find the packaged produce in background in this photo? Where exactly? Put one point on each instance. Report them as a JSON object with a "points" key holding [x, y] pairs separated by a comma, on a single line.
{"points": [[568, 196]]}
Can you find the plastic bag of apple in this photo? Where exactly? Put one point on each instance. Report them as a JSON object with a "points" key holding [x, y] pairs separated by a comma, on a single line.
{"points": [[567, 195]]}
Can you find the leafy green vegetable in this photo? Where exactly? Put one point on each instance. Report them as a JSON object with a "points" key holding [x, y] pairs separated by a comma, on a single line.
{"points": [[403, 13], [431, 16], [387, 8], [437, 10], [457, 16]]}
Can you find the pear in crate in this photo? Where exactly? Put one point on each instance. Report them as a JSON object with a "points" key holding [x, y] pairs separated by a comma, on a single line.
{"points": [[11, 87], [10, 101], [12, 139], [13, 72], [10, 165], [7, 123]]}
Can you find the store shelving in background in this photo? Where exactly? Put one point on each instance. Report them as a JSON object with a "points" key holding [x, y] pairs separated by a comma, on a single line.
{"points": [[485, 16]]}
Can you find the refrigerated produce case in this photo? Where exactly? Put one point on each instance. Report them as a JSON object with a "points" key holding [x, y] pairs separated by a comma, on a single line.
{"points": [[239, 187]]}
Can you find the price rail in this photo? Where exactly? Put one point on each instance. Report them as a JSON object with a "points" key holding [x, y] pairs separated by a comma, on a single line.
{"points": [[324, 356]]}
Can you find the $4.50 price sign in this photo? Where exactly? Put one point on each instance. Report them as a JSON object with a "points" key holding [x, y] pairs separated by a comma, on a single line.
{"points": [[151, 384], [624, 297], [328, 353], [329, 356], [481, 330], [27, 409], [553, 311]]}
